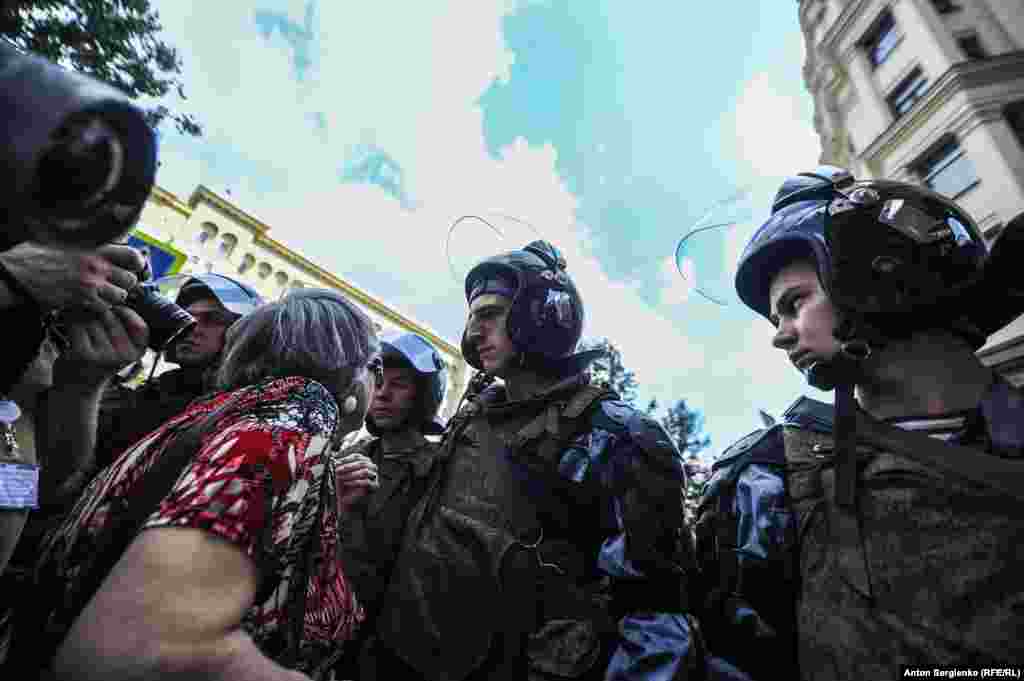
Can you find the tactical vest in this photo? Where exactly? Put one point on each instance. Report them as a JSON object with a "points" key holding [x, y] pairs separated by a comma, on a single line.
{"points": [[371, 532], [921, 571], [933, 578], [463, 588]]}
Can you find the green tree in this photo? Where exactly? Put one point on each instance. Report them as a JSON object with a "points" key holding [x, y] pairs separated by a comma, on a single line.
{"points": [[116, 41], [685, 425]]}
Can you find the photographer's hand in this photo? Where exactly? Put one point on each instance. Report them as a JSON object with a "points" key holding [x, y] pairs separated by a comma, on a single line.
{"points": [[100, 346], [58, 277]]}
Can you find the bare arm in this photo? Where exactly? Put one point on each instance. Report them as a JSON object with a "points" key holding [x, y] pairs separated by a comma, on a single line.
{"points": [[70, 411], [170, 609]]}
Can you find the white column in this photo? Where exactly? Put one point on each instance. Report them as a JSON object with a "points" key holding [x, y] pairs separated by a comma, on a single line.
{"points": [[934, 41]]}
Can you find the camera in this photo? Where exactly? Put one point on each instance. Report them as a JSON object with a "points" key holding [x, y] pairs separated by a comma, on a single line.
{"points": [[77, 157], [167, 321]]}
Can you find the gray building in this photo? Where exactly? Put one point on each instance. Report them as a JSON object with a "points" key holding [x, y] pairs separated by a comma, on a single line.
{"points": [[926, 91]]}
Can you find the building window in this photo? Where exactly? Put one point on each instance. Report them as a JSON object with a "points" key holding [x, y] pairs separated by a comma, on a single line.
{"points": [[945, 6], [905, 95], [971, 46], [1015, 117], [881, 39], [227, 245], [947, 170], [247, 262]]}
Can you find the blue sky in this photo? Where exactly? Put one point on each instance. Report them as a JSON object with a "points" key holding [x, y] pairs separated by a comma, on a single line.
{"points": [[361, 131]]}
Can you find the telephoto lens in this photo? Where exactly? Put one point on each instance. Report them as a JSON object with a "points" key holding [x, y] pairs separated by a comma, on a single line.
{"points": [[166, 320], [77, 157]]}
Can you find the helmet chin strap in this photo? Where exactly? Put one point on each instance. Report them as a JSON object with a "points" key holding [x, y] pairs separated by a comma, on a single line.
{"points": [[841, 374]]}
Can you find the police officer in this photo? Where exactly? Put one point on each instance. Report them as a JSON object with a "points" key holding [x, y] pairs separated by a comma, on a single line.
{"points": [[550, 542], [846, 542], [404, 411]]}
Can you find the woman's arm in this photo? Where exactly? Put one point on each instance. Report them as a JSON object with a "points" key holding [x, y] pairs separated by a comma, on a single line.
{"points": [[171, 608]]}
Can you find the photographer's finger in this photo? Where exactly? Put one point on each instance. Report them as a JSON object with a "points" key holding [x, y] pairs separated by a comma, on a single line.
{"points": [[80, 344], [125, 257], [123, 278], [109, 294], [98, 332], [134, 327]]}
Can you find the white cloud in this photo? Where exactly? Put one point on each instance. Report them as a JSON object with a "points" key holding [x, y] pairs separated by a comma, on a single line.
{"points": [[405, 77], [677, 288], [774, 136]]}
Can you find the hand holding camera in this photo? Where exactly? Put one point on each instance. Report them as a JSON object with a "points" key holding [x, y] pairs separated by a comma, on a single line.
{"points": [[99, 346], [60, 277]]}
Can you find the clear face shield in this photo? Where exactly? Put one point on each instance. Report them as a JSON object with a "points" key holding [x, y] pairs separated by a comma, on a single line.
{"points": [[706, 256], [474, 238]]}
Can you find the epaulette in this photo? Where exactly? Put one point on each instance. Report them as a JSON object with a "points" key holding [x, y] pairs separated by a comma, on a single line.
{"points": [[810, 414], [651, 437], [613, 416], [760, 446]]}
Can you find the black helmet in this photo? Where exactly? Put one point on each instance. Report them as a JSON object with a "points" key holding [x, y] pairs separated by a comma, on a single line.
{"points": [[889, 254], [409, 350], [545, 320]]}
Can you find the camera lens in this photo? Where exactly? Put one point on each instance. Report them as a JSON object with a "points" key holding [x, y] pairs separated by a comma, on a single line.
{"points": [[82, 165], [166, 320]]}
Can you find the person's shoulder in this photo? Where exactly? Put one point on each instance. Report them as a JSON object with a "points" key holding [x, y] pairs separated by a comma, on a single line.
{"points": [[612, 414], [764, 445], [299, 401], [637, 431]]}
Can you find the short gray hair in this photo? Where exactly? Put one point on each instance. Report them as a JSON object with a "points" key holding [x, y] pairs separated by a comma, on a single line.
{"points": [[316, 333]]}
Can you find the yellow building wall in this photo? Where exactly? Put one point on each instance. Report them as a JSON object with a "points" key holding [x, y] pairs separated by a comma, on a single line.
{"points": [[221, 237]]}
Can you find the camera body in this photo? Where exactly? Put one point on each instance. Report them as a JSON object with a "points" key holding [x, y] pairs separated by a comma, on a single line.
{"points": [[77, 157]]}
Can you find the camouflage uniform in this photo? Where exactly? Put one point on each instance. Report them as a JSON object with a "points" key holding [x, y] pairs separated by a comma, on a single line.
{"points": [[928, 574], [551, 544]]}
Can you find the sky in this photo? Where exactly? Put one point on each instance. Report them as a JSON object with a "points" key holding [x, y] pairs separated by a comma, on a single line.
{"points": [[360, 132]]}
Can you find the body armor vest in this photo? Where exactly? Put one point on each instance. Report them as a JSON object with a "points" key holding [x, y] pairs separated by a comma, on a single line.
{"points": [[924, 570], [464, 587]]}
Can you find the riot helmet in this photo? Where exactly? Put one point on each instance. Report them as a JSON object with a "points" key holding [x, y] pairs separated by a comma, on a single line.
{"points": [[412, 351], [236, 297], [891, 256], [545, 319], [233, 295]]}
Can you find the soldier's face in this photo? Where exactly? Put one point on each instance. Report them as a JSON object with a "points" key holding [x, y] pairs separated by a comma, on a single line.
{"points": [[204, 342], [395, 399], [804, 317], [487, 331]]}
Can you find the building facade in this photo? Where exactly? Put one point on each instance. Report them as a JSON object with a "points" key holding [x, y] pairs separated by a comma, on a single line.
{"points": [[217, 236], [932, 92]]}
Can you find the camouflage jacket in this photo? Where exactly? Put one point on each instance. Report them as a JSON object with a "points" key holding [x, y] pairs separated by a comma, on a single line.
{"points": [[932, 579], [551, 544], [371, 532]]}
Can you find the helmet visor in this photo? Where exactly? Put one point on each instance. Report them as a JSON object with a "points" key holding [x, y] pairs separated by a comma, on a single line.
{"points": [[420, 354]]}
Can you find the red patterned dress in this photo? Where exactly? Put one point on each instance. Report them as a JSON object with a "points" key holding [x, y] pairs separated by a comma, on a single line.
{"points": [[265, 459]]}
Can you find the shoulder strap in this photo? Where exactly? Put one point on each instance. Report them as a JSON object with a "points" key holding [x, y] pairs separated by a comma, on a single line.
{"points": [[561, 421], [1003, 475]]}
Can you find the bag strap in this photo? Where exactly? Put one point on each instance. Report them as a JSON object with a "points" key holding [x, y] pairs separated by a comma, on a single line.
{"points": [[998, 474]]}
